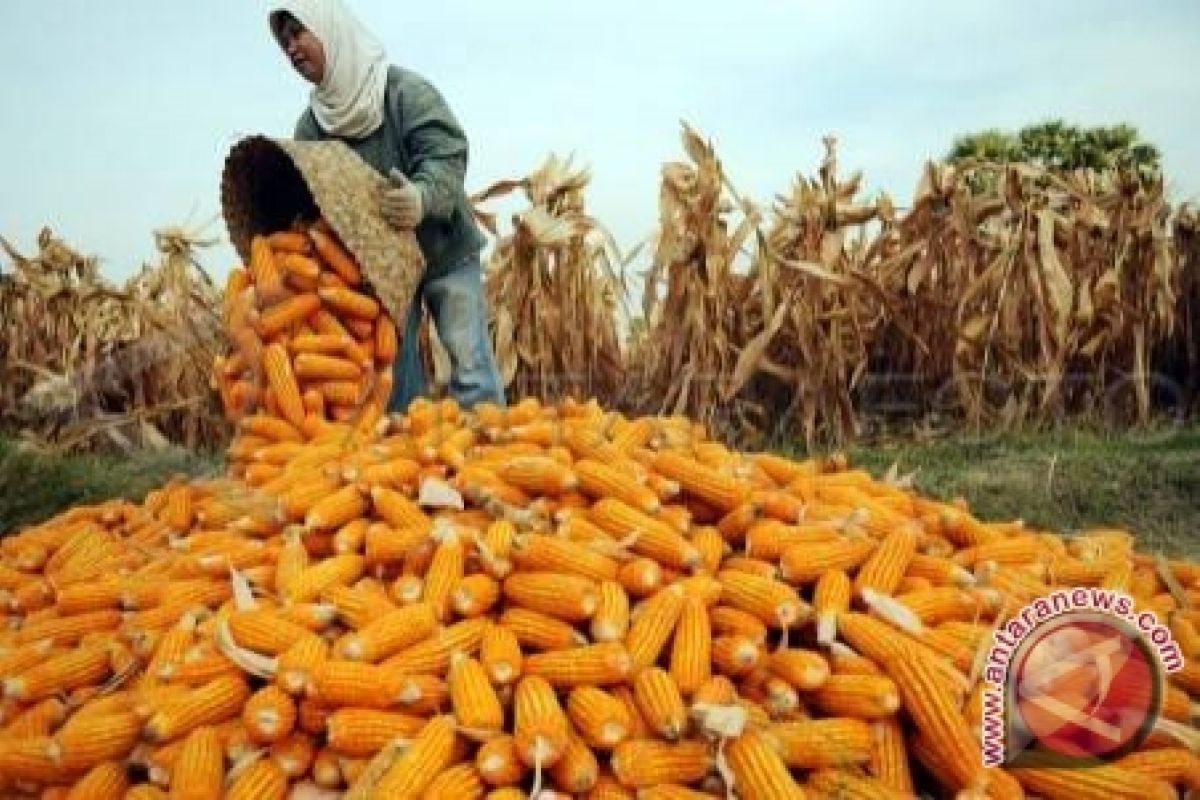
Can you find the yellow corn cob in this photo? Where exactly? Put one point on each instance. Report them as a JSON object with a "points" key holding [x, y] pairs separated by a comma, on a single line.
{"points": [[889, 561], [294, 754], [500, 654], [34, 759], [355, 606], [297, 663], [600, 718], [498, 762], [388, 634], [733, 526], [338, 570], [567, 597], [774, 603], [758, 771], [641, 577], [349, 303], [540, 726], [68, 630], [338, 683], [103, 781], [941, 571], [199, 770], [804, 669], [660, 703], [653, 625], [607, 788], [539, 475], [319, 367], [445, 571], [598, 665], [475, 703], [264, 631], [808, 562], [145, 791], [461, 782], [1105, 781], [541, 553], [601, 480], [851, 786], [862, 696], [282, 380], [475, 595], [384, 545], [669, 791], [342, 506], [431, 752], [642, 763], [691, 649], [610, 622], [889, 756], [215, 702], [362, 732], [261, 780], [89, 741], [727, 620], [654, 539], [577, 770], [719, 490], [539, 631], [735, 655], [818, 743], [433, 655], [269, 715], [83, 667]]}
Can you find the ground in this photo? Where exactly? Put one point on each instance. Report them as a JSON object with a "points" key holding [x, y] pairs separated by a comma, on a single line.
{"points": [[1064, 480]]}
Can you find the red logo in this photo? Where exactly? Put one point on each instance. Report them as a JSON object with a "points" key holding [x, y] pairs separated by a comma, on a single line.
{"points": [[1083, 687]]}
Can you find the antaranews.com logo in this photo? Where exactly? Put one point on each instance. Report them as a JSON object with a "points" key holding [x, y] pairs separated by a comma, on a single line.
{"points": [[1078, 676]]}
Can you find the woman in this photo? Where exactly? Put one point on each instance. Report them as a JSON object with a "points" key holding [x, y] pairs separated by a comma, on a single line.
{"points": [[399, 124]]}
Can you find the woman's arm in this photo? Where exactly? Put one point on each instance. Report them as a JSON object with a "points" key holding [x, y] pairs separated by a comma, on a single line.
{"points": [[436, 145]]}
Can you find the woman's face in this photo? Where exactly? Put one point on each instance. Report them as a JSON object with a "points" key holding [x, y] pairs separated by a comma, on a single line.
{"points": [[302, 47]]}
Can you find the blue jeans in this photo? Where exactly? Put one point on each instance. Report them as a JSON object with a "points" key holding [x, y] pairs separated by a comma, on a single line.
{"points": [[455, 298]]}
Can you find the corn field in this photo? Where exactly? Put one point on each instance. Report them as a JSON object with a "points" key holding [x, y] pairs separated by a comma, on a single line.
{"points": [[1001, 295], [85, 364]]}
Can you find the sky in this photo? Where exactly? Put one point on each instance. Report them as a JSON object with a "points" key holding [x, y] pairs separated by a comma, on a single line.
{"points": [[118, 116]]}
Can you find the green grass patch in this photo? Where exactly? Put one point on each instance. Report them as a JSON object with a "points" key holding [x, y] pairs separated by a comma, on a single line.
{"points": [[1065, 480], [35, 486]]}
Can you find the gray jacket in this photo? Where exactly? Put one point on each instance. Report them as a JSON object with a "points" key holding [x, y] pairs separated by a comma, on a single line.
{"points": [[421, 137]]}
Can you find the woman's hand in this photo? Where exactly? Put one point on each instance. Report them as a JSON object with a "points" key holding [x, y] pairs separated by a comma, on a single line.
{"points": [[402, 203]]}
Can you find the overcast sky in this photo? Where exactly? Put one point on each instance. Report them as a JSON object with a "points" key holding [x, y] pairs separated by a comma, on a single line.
{"points": [[117, 116]]}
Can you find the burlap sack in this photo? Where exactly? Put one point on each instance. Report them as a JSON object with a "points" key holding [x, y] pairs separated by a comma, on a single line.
{"points": [[268, 184]]}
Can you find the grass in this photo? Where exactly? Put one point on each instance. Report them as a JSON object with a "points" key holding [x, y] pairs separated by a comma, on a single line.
{"points": [[35, 486], [1063, 480], [1066, 480]]}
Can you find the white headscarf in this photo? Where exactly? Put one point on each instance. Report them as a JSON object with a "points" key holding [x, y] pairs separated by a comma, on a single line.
{"points": [[349, 100]]}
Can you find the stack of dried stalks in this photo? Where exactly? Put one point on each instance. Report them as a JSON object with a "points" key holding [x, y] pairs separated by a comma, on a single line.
{"points": [[686, 362], [817, 310], [87, 365], [554, 285], [1039, 296], [1180, 356]]}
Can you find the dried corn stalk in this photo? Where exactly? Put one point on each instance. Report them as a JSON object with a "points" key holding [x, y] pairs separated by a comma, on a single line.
{"points": [[554, 286], [84, 364], [1041, 296], [686, 360]]}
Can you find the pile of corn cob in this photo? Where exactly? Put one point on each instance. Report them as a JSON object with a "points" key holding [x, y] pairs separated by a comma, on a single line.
{"points": [[531, 602]]}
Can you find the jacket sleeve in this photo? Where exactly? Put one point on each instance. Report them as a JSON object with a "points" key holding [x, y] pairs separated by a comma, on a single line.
{"points": [[437, 147]]}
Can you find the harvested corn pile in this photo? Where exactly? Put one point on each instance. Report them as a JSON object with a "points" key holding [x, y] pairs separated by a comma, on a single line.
{"points": [[539, 601], [310, 346]]}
